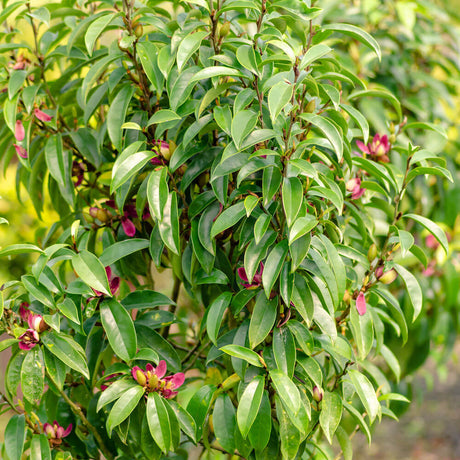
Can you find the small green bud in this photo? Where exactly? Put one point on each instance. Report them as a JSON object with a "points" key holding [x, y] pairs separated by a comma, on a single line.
{"points": [[311, 106], [372, 253], [224, 30]]}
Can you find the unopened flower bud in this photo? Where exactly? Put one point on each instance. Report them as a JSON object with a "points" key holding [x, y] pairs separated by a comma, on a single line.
{"points": [[346, 297], [140, 377], [103, 215], [311, 106], [388, 277], [378, 271], [372, 253], [224, 30], [93, 211], [392, 138], [19, 131], [318, 394], [138, 30], [153, 382]]}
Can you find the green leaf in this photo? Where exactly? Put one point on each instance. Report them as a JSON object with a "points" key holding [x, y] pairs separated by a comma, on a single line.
{"points": [[229, 217], [314, 53], [250, 202], [199, 405], [271, 181], [67, 350], [114, 391], [124, 406], [169, 224], [15, 434], [119, 328], [129, 163], [363, 331], [284, 350], [359, 119], [163, 116], [286, 390], [382, 93], [215, 314], [217, 71], [90, 269], [247, 57], [273, 265], [407, 241], [194, 129], [345, 443], [40, 448], [117, 114], [158, 421], [188, 46], [262, 319], [33, 375], [243, 353], [4, 344], [434, 171], [433, 228], [121, 249], [158, 191], [328, 129], [331, 414], [278, 97], [259, 434], [16, 80], [413, 288], [302, 335], [249, 403], [243, 124], [289, 435], [185, 420], [292, 194], [96, 28], [366, 393], [301, 227], [391, 360], [38, 290], [15, 249], [145, 299], [357, 33], [224, 421], [424, 125]]}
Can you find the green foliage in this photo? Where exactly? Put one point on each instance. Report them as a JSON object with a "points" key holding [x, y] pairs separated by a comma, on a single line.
{"points": [[222, 141]]}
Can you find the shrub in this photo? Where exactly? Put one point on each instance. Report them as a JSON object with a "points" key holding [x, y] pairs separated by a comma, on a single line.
{"points": [[221, 141]]}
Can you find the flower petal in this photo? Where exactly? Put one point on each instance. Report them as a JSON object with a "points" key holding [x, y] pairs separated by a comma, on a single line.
{"points": [[178, 379], [19, 131], [128, 226], [361, 304], [21, 151], [363, 147], [242, 274], [160, 371], [42, 116]]}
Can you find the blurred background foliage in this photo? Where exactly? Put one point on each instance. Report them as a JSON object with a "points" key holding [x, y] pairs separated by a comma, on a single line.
{"points": [[420, 42]]}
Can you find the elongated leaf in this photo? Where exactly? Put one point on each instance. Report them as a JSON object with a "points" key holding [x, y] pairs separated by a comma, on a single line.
{"points": [[158, 191], [301, 226], [122, 249], [262, 319], [243, 353], [292, 194], [413, 288], [15, 249], [215, 315], [15, 433], [379, 93], [328, 129], [228, 218], [67, 350], [119, 328], [314, 53], [366, 393], [331, 414], [117, 114], [169, 224], [249, 404], [114, 391], [33, 375], [278, 97], [163, 116], [40, 448], [90, 269], [124, 406], [96, 28], [224, 421], [217, 71], [358, 34], [188, 46], [286, 390], [273, 265], [433, 228]]}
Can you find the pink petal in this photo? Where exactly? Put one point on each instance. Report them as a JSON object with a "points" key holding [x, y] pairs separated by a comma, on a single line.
{"points": [[361, 304], [26, 346], [42, 116], [160, 371], [363, 147], [358, 192], [19, 132], [67, 431], [178, 379], [21, 151], [242, 274], [114, 285], [134, 372], [128, 227], [108, 272]]}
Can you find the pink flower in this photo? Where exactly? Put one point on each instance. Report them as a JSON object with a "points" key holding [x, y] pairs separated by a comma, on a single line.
{"points": [[361, 304], [19, 131], [377, 149], [354, 186], [128, 226], [256, 281], [29, 339], [152, 379], [42, 116], [24, 311], [156, 161], [21, 151], [114, 283], [431, 242], [56, 432]]}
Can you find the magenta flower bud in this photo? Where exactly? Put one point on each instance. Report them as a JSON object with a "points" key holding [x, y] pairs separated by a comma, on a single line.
{"points": [[352, 183], [29, 339], [379, 271], [42, 116], [361, 304], [256, 281], [21, 151], [19, 131], [128, 226], [318, 394]]}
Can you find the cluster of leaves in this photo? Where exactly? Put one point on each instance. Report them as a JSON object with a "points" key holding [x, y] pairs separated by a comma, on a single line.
{"points": [[216, 139]]}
